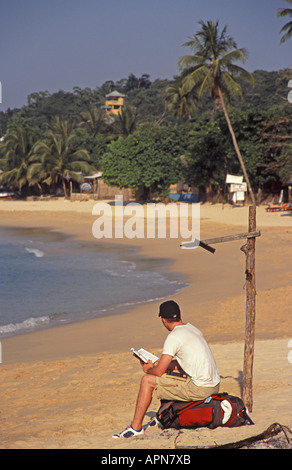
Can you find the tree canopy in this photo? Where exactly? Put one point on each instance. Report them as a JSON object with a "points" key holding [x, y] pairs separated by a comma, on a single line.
{"points": [[167, 119], [147, 161]]}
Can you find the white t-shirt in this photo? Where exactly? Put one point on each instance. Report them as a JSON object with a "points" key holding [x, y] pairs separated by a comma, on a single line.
{"points": [[188, 345]]}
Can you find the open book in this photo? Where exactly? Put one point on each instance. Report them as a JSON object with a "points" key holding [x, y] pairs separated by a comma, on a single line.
{"points": [[144, 355]]}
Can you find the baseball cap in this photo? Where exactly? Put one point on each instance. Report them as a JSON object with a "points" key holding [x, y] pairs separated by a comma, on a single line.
{"points": [[169, 310]]}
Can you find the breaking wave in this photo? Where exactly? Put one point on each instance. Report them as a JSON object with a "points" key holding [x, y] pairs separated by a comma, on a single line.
{"points": [[35, 251], [29, 323]]}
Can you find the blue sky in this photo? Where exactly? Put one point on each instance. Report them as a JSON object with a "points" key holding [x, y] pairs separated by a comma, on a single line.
{"points": [[58, 44]]}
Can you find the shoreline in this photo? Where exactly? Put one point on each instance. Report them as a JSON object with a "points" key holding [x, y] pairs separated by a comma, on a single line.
{"points": [[124, 254], [50, 217], [73, 386]]}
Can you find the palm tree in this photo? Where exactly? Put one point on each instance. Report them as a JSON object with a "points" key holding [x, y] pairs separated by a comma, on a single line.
{"points": [[16, 149], [93, 121], [287, 28], [63, 128], [127, 120], [211, 68], [56, 159], [178, 102]]}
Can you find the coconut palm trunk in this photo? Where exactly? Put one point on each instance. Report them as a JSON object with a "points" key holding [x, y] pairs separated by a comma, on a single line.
{"points": [[64, 187], [236, 146]]}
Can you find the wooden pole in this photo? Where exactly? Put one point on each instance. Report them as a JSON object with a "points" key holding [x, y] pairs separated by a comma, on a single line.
{"points": [[249, 250]]}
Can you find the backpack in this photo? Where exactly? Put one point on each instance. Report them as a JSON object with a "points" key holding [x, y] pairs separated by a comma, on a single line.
{"points": [[216, 410]]}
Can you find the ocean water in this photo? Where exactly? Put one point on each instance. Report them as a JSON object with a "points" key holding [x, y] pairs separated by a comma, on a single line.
{"points": [[48, 279]]}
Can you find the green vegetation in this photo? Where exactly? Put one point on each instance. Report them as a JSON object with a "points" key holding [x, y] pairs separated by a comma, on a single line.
{"points": [[56, 160], [212, 119], [148, 160]]}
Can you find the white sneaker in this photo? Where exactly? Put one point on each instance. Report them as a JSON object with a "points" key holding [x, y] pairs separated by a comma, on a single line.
{"points": [[129, 432]]}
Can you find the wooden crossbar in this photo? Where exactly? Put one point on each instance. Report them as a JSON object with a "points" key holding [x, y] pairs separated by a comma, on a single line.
{"points": [[230, 238], [210, 241]]}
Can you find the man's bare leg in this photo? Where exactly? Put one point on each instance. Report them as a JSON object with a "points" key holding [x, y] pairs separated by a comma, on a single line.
{"points": [[148, 383]]}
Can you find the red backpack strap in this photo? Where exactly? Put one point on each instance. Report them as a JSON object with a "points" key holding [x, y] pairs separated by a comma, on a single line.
{"points": [[191, 404]]}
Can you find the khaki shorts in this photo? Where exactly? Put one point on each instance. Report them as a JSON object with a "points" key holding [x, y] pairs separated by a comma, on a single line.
{"points": [[171, 388]]}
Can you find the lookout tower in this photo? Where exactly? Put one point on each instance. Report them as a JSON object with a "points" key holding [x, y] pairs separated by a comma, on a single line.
{"points": [[114, 102]]}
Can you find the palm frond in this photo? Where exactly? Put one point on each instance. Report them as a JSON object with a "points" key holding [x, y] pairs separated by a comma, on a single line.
{"points": [[239, 72], [82, 155], [230, 86], [192, 42], [236, 55], [206, 84], [194, 79], [189, 61], [9, 176], [36, 172], [287, 29], [282, 12]]}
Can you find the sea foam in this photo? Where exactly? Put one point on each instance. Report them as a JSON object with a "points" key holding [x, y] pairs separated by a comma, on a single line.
{"points": [[26, 324], [35, 251]]}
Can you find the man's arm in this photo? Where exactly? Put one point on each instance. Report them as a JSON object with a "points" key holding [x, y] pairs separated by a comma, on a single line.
{"points": [[160, 368]]}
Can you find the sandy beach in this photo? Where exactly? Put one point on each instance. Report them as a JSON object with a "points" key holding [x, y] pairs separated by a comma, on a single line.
{"points": [[75, 385]]}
